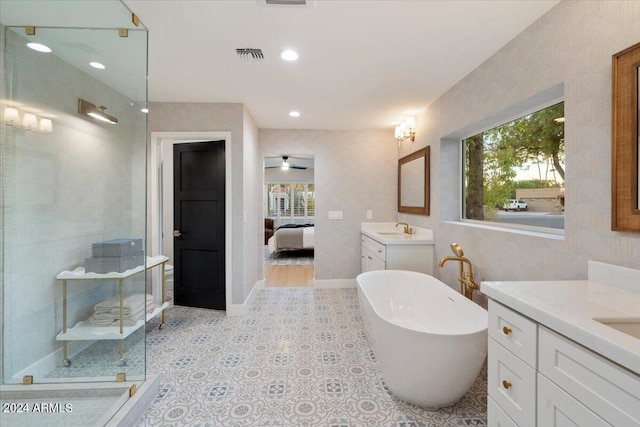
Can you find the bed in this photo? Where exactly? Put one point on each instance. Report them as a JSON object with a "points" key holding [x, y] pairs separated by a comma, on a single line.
{"points": [[292, 237]]}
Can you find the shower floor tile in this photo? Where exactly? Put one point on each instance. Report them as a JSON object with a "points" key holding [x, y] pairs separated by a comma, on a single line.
{"points": [[69, 408], [300, 357]]}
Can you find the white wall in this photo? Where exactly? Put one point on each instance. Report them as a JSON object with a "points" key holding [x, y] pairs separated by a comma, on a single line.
{"points": [[568, 50], [194, 117], [355, 171], [253, 229]]}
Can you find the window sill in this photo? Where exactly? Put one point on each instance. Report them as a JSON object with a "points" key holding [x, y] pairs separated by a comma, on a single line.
{"points": [[545, 233]]}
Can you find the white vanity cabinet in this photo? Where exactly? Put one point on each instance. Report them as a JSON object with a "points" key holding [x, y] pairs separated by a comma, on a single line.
{"points": [[374, 255], [538, 377], [396, 255], [512, 365], [576, 384]]}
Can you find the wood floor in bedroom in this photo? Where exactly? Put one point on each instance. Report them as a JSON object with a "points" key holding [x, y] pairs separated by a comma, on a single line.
{"points": [[288, 276]]}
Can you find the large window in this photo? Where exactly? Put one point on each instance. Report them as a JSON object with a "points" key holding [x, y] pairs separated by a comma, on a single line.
{"points": [[514, 173], [290, 203]]}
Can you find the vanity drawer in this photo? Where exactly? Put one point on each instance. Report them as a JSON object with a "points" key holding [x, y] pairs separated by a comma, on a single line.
{"points": [[604, 387], [513, 331], [377, 248], [496, 417], [557, 408], [511, 383]]}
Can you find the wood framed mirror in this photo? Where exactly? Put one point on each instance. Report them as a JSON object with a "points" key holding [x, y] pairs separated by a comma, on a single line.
{"points": [[413, 183], [625, 142]]}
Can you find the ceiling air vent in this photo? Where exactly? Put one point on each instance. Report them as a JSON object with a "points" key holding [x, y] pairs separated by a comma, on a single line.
{"points": [[286, 2], [248, 54], [295, 3]]}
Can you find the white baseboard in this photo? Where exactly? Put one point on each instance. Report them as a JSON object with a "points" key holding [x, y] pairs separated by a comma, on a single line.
{"points": [[42, 367], [241, 309], [334, 283]]}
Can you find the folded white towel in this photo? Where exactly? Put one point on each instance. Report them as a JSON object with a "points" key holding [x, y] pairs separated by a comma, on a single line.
{"points": [[107, 313], [134, 314], [132, 302], [103, 316], [112, 322]]}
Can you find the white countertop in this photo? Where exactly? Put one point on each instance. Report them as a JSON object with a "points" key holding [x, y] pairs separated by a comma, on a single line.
{"points": [[569, 307], [388, 234]]}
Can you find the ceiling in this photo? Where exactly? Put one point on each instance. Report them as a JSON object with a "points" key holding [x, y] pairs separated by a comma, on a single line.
{"points": [[363, 63]]}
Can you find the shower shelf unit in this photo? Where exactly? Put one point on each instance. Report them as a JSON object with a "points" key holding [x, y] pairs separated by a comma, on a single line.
{"points": [[83, 330]]}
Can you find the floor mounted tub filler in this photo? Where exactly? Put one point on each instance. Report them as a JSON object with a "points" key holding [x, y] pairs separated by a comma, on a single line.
{"points": [[430, 342]]}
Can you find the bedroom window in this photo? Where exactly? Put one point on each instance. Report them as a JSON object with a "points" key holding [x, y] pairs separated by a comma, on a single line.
{"points": [[514, 173], [290, 203]]}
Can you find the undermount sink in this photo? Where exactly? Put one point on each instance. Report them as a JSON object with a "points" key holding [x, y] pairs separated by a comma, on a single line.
{"points": [[629, 326], [394, 235]]}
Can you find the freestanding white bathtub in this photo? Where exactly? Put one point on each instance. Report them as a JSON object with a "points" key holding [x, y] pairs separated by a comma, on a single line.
{"points": [[430, 342]]}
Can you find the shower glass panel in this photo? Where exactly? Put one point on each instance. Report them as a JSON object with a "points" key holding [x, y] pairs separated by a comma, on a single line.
{"points": [[73, 307]]}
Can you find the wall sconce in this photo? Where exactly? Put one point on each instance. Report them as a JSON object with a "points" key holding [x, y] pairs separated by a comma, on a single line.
{"points": [[30, 121], [11, 116], [88, 109], [406, 130], [46, 126]]}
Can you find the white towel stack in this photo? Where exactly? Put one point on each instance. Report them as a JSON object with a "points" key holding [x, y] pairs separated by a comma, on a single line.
{"points": [[107, 313]]}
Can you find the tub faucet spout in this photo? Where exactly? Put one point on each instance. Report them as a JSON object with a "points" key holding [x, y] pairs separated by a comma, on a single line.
{"points": [[467, 284]]}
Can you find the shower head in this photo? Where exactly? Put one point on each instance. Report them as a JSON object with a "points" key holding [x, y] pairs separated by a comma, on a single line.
{"points": [[457, 249]]}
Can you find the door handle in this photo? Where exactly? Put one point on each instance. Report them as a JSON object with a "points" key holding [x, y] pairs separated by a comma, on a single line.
{"points": [[177, 233]]}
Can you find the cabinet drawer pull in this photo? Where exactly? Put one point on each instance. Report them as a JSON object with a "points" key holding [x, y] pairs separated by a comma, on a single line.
{"points": [[506, 330], [506, 384], [369, 257], [379, 251]]}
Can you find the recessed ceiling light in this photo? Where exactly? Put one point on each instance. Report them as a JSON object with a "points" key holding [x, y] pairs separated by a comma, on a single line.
{"points": [[289, 55], [294, 114], [97, 65], [144, 110], [39, 47]]}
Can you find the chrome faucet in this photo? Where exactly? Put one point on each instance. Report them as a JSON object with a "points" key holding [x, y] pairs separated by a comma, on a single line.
{"points": [[467, 285], [407, 229]]}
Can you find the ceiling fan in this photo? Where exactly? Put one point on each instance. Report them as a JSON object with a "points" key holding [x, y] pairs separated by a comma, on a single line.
{"points": [[286, 165]]}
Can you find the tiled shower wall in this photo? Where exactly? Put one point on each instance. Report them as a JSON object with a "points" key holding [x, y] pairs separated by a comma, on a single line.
{"points": [[82, 183]]}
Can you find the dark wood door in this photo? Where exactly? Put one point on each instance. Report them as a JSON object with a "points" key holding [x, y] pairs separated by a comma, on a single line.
{"points": [[199, 224]]}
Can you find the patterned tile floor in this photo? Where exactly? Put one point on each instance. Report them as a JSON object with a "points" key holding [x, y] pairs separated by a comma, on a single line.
{"points": [[300, 357]]}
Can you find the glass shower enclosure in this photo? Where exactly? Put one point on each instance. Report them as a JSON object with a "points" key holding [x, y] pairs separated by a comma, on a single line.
{"points": [[75, 294]]}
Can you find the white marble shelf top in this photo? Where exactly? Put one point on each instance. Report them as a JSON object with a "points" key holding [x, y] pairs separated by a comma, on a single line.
{"points": [[569, 307], [80, 274]]}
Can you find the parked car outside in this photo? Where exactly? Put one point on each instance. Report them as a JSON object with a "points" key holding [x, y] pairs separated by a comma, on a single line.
{"points": [[515, 205]]}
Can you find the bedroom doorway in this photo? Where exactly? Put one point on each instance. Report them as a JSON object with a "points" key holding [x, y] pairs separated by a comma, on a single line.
{"points": [[289, 214]]}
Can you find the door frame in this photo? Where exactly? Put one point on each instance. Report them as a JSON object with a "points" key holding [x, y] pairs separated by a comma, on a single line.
{"points": [[161, 196]]}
